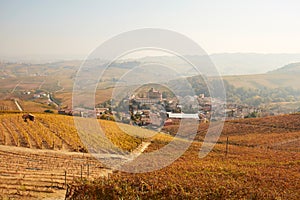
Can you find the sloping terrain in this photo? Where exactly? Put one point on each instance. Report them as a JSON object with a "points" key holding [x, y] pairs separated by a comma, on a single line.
{"points": [[282, 77], [58, 132], [39, 158], [37, 174], [261, 162]]}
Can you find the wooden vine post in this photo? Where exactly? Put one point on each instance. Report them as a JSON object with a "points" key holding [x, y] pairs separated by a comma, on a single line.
{"points": [[226, 152]]}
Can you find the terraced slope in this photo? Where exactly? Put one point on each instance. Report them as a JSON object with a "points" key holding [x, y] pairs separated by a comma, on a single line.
{"points": [[39, 158], [260, 161], [58, 132], [37, 174]]}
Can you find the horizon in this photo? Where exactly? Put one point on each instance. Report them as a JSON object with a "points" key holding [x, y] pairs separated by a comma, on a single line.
{"points": [[42, 57], [227, 63]]}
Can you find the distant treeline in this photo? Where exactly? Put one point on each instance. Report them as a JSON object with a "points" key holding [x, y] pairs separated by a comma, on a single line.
{"points": [[241, 95], [263, 95]]}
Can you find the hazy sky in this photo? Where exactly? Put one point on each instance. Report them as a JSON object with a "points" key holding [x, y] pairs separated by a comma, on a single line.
{"points": [[66, 28]]}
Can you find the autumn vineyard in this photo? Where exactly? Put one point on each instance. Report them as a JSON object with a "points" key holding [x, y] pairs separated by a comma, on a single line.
{"points": [[40, 158], [46, 159], [56, 132], [262, 162], [149, 100]]}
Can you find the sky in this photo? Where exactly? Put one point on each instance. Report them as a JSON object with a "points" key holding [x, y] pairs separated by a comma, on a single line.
{"points": [[74, 28]]}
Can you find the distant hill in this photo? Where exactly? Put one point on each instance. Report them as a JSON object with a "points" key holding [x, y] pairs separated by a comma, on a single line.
{"points": [[229, 63], [260, 71], [293, 68], [282, 77]]}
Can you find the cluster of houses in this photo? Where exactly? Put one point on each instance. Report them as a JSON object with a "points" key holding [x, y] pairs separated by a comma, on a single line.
{"points": [[36, 95], [151, 109]]}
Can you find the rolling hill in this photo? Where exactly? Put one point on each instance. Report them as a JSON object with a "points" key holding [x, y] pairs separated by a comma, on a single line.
{"points": [[293, 68], [286, 76], [58, 77], [39, 158], [42, 156], [261, 161]]}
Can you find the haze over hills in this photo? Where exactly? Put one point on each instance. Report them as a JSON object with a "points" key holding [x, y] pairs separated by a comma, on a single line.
{"points": [[227, 63], [285, 76], [269, 66], [293, 68], [251, 63], [58, 77], [240, 63]]}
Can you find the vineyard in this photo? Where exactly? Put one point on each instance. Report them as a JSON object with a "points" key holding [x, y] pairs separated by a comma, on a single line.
{"points": [[42, 156], [262, 161], [58, 132], [37, 174], [272, 133], [7, 105]]}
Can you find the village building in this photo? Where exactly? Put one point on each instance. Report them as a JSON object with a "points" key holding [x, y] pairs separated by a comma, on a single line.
{"points": [[154, 94], [182, 115], [152, 97]]}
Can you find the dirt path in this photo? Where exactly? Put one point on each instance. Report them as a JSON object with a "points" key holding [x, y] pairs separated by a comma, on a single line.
{"points": [[40, 86], [18, 105], [140, 149], [13, 90]]}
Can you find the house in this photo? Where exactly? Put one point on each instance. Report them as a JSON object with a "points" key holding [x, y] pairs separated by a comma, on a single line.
{"points": [[182, 115], [39, 95], [36, 96]]}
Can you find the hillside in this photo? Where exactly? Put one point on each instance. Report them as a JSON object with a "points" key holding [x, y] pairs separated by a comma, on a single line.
{"points": [[281, 77], [231, 63], [17, 78], [57, 78], [251, 63], [42, 152], [41, 174], [267, 131], [261, 161], [39, 158], [293, 68], [58, 132], [269, 80]]}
